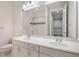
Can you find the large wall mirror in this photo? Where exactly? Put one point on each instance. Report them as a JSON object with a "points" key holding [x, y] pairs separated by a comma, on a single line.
{"points": [[54, 19]]}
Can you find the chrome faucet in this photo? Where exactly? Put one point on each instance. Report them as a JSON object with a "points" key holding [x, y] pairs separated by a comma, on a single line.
{"points": [[28, 32], [58, 40]]}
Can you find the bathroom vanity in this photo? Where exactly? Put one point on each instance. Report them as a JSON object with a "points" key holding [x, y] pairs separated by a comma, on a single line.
{"points": [[44, 47], [53, 20]]}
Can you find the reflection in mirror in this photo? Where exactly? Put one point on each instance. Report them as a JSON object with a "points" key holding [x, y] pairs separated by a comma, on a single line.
{"points": [[58, 20], [58, 23], [55, 19]]}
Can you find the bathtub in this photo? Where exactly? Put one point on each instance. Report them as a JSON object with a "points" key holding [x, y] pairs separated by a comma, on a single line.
{"points": [[5, 51]]}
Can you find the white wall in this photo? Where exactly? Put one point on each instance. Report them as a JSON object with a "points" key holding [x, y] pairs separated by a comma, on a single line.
{"points": [[5, 22], [72, 19], [78, 18], [17, 18]]}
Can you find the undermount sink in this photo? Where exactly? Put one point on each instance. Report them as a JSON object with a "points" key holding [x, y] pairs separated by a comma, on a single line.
{"points": [[59, 43]]}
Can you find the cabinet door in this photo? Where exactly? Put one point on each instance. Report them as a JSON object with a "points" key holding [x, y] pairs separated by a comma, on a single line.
{"points": [[19, 51], [43, 55], [33, 50], [33, 53], [33, 47], [56, 53]]}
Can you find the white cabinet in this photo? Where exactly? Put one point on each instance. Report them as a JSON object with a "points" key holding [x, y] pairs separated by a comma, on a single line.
{"points": [[14, 50], [33, 53], [43, 55], [24, 49], [33, 50], [19, 51], [33, 47], [56, 53], [20, 43]]}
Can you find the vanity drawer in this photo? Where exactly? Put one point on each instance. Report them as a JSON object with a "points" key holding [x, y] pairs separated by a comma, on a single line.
{"points": [[21, 44], [33, 47], [56, 53], [43, 55]]}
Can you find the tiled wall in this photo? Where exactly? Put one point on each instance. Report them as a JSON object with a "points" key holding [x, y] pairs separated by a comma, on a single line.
{"points": [[38, 16]]}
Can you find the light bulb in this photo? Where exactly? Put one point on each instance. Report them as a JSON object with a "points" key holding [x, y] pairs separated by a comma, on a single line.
{"points": [[23, 6], [28, 4]]}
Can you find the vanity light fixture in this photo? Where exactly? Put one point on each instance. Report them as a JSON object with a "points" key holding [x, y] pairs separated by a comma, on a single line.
{"points": [[30, 5], [33, 4]]}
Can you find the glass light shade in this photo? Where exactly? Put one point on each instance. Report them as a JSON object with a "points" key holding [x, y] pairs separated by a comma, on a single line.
{"points": [[29, 6]]}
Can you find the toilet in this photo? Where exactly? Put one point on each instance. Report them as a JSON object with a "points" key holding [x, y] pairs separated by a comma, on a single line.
{"points": [[6, 50]]}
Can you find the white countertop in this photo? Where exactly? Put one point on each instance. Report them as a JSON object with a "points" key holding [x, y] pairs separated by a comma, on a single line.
{"points": [[66, 45]]}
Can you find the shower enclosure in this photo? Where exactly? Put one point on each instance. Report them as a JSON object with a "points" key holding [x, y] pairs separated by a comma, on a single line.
{"points": [[58, 23]]}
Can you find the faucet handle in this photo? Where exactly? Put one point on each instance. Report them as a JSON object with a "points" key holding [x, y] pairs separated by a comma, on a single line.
{"points": [[58, 40]]}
